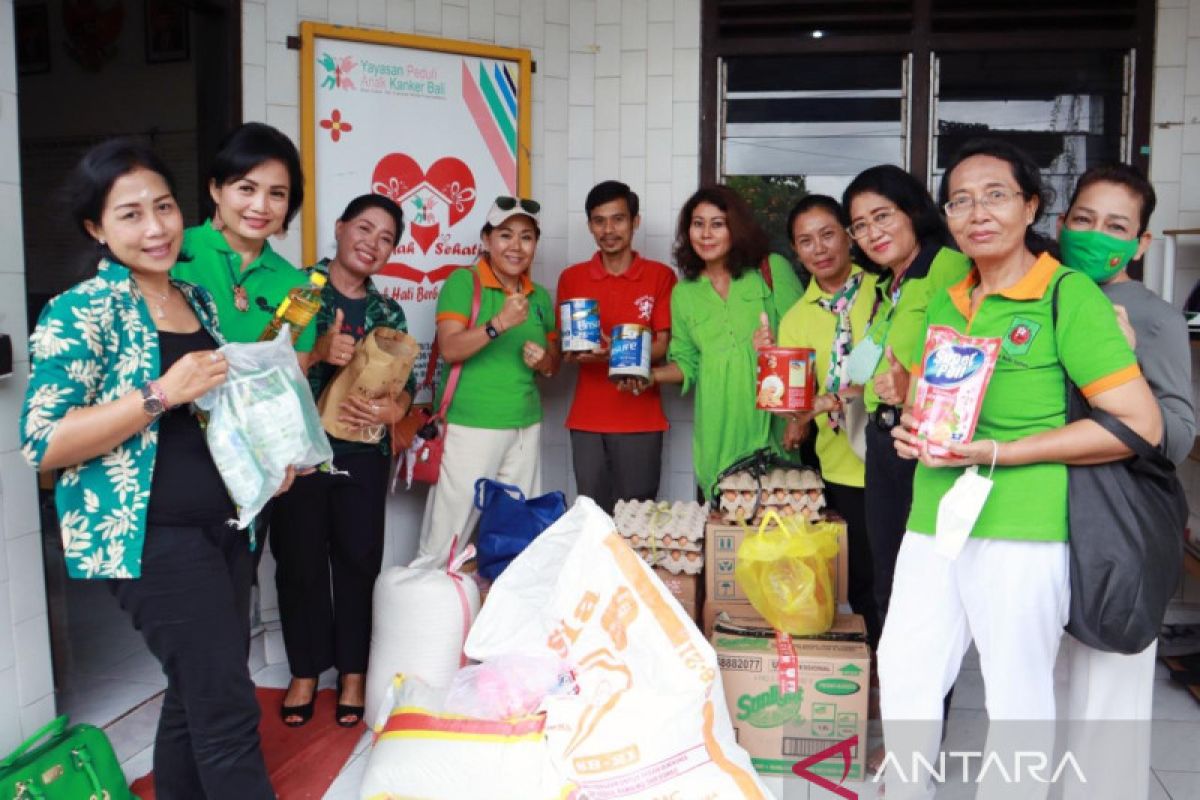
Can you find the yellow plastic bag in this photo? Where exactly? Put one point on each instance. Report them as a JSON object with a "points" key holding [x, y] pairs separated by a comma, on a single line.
{"points": [[786, 569]]}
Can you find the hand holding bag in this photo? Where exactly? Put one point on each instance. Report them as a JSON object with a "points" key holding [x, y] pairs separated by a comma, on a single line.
{"points": [[72, 763], [425, 453], [1126, 521], [508, 522]]}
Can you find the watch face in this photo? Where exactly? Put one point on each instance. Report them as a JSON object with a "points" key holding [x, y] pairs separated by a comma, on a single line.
{"points": [[150, 403]]}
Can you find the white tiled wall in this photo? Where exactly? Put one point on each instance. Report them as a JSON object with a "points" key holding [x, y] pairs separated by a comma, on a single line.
{"points": [[1175, 139], [26, 682], [615, 95], [1175, 172]]}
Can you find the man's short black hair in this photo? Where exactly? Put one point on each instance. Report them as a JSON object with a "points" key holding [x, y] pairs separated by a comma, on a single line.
{"points": [[606, 192]]}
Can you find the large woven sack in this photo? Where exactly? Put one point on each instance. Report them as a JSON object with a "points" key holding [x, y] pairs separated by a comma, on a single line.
{"points": [[650, 719], [420, 618], [424, 752]]}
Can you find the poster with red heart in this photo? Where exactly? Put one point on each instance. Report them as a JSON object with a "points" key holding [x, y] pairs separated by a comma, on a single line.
{"points": [[439, 126]]}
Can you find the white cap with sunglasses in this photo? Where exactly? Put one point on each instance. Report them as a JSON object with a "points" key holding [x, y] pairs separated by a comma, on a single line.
{"points": [[505, 207]]}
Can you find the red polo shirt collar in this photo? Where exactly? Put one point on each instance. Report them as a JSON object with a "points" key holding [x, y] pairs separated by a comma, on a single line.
{"points": [[598, 272]]}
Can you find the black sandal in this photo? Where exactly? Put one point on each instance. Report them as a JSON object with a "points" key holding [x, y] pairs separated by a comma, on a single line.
{"points": [[304, 712], [344, 710]]}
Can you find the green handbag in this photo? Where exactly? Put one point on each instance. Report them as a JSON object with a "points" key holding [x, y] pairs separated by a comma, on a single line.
{"points": [[75, 763]]}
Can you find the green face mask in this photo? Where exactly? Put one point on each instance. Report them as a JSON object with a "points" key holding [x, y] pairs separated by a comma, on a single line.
{"points": [[1096, 254]]}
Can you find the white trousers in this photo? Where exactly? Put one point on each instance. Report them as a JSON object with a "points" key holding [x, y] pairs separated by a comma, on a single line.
{"points": [[1011, 598], [508, 455], [1109, 700]]}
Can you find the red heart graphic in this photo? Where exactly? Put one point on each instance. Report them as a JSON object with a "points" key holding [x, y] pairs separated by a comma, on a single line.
{"points": [[397, 176], [451, 178], [424, 235]]}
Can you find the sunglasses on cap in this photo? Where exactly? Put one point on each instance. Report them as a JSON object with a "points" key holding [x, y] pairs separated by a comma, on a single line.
{"points": [[506, 203]]}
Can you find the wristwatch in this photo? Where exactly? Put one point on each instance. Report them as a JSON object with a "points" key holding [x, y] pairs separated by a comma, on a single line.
{"points": [[491, 330], [154, 400]]}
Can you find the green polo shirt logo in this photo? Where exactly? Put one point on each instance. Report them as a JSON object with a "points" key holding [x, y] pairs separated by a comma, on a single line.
{"points": [[1020, 336]]}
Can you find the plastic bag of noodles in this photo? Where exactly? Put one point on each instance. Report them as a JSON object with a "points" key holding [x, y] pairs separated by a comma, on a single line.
{"points": [[261, 421]]}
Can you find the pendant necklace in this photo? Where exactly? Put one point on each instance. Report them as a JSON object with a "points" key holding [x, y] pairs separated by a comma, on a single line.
{"points": [[160, 311], [241, 300]]}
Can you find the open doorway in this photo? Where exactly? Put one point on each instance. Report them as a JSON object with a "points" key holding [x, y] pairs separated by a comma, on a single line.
{"points": [[88, 70]]}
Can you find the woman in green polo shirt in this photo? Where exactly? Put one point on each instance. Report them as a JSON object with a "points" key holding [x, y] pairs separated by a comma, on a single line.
{"points": [[831, 317], [494, 420], [1006, 586], [715, 311], [898, 230], [255, 188]]}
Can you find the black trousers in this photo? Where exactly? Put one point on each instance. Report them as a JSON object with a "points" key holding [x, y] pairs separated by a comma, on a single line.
{"points": [[192, 605], [850, 503], [617, 466], [327, 533], [888, 501]]}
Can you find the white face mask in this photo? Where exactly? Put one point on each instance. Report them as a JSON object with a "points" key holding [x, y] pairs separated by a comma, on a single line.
{"points": [[862, 361], [960, 508]]}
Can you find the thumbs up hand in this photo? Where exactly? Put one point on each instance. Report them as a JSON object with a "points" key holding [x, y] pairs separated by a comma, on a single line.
{"points": [[335, 347], [762, 335], [892, 385]]}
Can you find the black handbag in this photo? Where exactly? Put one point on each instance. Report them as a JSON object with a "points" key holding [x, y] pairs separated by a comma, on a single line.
{"points": [[1126, 522]]}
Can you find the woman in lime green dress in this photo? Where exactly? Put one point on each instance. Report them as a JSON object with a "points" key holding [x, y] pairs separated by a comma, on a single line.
{"points": [[715, 310]]}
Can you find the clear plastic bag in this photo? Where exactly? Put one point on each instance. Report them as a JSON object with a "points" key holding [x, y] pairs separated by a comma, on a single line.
{"points": [[507, 686], [262, 420], [786, 570]]}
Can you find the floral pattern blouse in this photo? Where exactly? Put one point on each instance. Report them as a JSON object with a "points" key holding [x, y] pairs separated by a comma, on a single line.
{"points": [[93, 344]]}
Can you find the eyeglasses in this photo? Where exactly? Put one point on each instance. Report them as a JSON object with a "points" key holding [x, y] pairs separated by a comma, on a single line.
{"points": [[993, 199], [883, 220], [506, 203]]}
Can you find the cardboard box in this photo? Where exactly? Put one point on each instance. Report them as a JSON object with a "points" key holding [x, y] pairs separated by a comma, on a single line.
{"points": [[720, 553], [829, 706], [685, 588], [847, 626]]}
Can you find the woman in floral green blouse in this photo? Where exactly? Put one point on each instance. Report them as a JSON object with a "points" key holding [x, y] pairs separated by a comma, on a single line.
{"points": [[327, 535], [116, 362]]}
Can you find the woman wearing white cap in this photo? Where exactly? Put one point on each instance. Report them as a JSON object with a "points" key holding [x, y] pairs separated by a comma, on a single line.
{"points": [[495, 414]]}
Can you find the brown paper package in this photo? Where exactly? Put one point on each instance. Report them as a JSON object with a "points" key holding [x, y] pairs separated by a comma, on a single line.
{"points": [[379, 369]]}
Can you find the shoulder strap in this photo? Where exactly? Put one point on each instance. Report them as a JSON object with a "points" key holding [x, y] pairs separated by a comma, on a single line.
{"points": [[1130, 438], [765, 269], [456, 370]]}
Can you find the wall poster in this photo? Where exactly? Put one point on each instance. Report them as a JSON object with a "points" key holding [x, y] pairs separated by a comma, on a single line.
{"points": [[442, 127]]}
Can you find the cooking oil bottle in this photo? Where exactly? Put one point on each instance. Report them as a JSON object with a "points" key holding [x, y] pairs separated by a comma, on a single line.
{"points": [[297, 309]]}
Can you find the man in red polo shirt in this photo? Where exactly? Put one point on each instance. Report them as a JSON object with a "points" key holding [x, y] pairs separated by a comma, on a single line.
{"points": [[616, 437]]}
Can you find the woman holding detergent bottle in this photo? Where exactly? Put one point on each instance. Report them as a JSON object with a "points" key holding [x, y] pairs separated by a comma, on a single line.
{"points": [[985, 559]]}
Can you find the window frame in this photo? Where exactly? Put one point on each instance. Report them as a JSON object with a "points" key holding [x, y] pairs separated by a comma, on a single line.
{"points": [[920, 44]]}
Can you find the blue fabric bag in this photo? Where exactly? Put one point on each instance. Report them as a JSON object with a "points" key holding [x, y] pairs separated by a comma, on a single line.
{"points": [[508, 522]]}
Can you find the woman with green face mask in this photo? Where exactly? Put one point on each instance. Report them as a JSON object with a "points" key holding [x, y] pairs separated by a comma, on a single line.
{"points": [[1104, 229]]}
